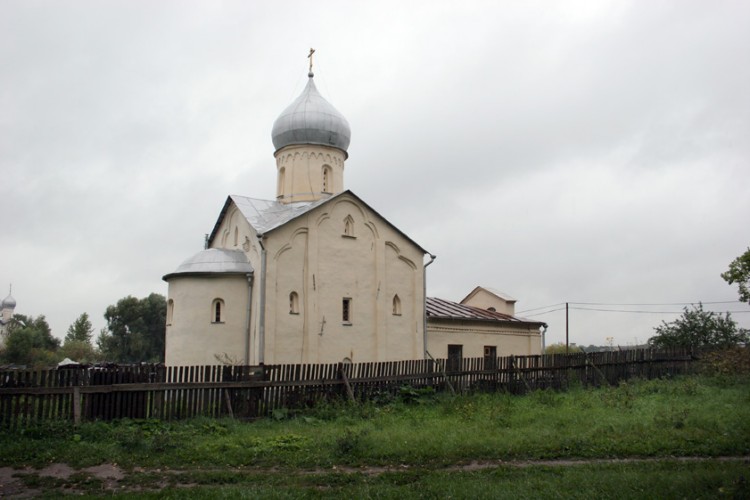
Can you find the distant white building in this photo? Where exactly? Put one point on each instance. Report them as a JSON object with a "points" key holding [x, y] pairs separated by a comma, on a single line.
{"points": [[7, 307], [318, 275]]}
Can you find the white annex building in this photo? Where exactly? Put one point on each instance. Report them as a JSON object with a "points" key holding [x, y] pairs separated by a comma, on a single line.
{"points": [[318, 276]]}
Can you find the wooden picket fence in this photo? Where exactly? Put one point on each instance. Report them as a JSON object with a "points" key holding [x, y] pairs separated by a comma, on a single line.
{"points": [[113, 392]]}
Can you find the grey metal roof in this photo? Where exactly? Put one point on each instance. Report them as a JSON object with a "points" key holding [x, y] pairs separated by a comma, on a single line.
{"points": [[265, 215], [213, 261], [310, 119], [446, 309]]}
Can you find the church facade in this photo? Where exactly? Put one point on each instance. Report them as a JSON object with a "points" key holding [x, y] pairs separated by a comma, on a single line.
{"points": [[316, 275]]}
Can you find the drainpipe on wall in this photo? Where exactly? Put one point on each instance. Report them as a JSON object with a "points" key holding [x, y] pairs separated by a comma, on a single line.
{"points": [[262, 305], [424, 297], [248, 323], [544, 332]]}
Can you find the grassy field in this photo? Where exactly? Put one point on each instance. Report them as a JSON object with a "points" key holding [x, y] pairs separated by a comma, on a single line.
{"points": [[418, 445]]}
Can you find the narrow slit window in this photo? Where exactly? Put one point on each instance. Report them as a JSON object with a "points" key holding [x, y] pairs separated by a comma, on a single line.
{"points": [[170, 311], [346, 310], [327, 174], [293, 303], [280, 182]]}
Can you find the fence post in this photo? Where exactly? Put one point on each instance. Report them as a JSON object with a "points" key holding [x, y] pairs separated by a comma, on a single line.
{"points": [[349, 390], [588, 360], [442, 370], [518, 373]]}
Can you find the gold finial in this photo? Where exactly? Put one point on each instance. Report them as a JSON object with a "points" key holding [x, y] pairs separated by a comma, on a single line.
{"points": [[309, 56]]}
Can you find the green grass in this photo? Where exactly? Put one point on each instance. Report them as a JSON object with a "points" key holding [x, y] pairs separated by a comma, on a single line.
{"points": [[420, 438], [699, 416]]}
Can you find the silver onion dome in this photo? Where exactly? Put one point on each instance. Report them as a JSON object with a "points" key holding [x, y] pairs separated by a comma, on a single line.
{"points": [[9, 302], [213, 261], [310, 119]]}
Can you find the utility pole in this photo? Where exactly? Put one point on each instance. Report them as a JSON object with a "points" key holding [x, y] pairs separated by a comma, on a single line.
{"points": [[566, 328]]}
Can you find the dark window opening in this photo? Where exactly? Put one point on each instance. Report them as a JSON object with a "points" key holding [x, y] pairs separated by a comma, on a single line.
{"points": [[455, 355], [217, 311], [490, 357], [346, 310]]}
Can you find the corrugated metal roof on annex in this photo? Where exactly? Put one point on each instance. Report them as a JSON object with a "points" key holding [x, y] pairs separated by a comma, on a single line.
{"points": [[446, 309]]}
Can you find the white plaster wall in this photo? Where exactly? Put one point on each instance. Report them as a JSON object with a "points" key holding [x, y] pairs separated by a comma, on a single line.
{"points": [[303, 172], [484, 300], [516, 340], [247, 242], [192, 338], [312, 256]]}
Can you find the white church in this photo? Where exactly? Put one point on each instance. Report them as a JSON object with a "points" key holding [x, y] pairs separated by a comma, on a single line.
{"points": [[317, 275], [7, 307]]}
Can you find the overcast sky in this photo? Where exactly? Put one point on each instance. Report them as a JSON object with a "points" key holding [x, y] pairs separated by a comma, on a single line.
{"points": [[557, 151]]}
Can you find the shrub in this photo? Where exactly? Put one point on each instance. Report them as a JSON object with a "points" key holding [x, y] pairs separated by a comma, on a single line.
{"points": [[732, 361]]}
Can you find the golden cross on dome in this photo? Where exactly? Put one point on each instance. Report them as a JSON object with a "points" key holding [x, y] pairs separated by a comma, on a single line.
{"points": [[309, 56]]}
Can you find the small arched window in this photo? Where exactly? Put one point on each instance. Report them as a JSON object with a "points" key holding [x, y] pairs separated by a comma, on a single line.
{"points": [[396, 305], [293, 303], [492, 309], [236, 235], [349, 226], [170, 311], [218, 311], [327, 177]]}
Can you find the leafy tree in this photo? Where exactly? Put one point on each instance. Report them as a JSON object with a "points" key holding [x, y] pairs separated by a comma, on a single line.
{"points": [[79, 351], [698, 328], [30, 342], [77, 345], [135, 330], [81, 330], [739, 272]]}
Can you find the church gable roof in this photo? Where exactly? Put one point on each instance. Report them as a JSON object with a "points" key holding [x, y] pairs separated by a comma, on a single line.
{"points": [[497, 293], [267, 215]]}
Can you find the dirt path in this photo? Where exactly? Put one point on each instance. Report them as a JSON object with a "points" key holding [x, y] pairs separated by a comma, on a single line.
{"points": [[29, 483]]}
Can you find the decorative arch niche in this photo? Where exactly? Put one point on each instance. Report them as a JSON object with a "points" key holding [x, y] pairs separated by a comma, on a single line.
{"points": [[349, 226], [280, 182]]}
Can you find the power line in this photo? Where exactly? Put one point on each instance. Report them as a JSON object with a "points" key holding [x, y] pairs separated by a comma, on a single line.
{"points": [[643, 304], [540, 313], [647, 312], [543, 307], [655, 304]]}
